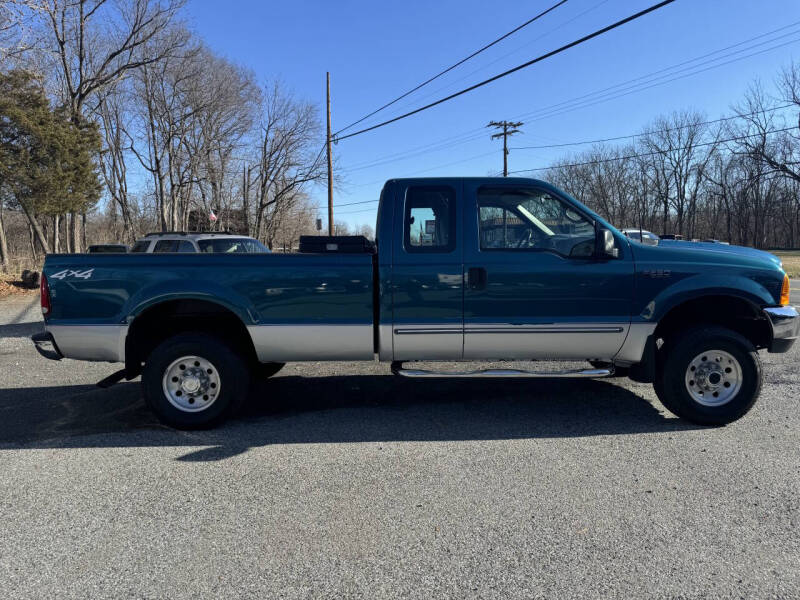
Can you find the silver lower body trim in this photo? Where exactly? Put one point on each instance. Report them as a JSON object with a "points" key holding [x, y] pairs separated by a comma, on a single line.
{"points": [[563, 341], [633, 348], [283, 343], [428, 341], [90, 342]]}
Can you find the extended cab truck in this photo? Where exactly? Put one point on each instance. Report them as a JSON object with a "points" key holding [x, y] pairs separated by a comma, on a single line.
{"points": [[465, 269]]}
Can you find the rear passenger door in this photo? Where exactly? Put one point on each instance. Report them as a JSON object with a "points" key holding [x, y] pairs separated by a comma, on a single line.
{"points": [[427, 274]]}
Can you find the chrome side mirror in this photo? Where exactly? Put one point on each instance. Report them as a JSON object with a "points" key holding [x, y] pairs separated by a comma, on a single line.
{"points": [[606, 244]]}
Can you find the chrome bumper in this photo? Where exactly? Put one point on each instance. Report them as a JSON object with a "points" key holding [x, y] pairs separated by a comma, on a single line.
{"points": [[785, 322]]}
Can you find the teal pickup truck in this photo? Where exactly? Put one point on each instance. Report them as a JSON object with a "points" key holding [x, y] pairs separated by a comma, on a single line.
{"points": [[462, 269]]}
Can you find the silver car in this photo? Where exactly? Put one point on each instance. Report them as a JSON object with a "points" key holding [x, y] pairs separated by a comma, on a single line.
{"points": [[208, 242], [643, 236]]}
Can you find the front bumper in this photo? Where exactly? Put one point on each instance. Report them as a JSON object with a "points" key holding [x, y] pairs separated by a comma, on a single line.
{"points": [[46, 345], [785, 322]]}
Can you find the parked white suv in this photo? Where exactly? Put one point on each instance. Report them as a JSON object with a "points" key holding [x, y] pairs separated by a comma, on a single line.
{"points": [[181, 241], [642, 235]]}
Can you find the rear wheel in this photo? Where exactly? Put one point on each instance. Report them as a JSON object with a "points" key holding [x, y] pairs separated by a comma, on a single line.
{"points": [[709, 376], [194, 381]]}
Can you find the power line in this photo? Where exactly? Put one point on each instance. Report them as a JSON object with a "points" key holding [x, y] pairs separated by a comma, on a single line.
{"points": [[635, 135], [577, 103], [586, 101], [451, 67], [454, 83], [550, 54], [644, 154], [590, 162]]}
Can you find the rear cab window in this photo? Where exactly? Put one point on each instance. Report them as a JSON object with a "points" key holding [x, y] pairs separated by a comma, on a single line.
{"points": [[429, 224]]}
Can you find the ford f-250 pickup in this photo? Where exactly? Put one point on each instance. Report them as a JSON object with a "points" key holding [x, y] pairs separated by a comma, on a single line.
{"points": [[465, 269]]}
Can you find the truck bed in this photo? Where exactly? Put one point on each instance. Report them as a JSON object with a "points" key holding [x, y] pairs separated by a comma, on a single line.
{"points": [[283, 299]]}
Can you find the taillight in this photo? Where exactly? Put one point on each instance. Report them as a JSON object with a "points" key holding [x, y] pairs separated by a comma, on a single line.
{"points": [[785, 291], [44, 291]]}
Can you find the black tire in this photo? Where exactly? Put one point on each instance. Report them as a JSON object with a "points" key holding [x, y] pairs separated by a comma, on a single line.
{"points": [[231, 370], [267, 370], [671, 385]]}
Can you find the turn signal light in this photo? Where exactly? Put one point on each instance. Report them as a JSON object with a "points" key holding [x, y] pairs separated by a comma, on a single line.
{"points": [[785, 291]]}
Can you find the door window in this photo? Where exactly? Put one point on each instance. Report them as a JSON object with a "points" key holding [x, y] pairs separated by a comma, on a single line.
{"points": [[531, 219], [430, 219], [185, 246], [141, 246]]}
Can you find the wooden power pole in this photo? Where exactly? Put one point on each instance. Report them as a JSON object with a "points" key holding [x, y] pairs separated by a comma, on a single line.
{"points": [[330, 162], [508, 128]]}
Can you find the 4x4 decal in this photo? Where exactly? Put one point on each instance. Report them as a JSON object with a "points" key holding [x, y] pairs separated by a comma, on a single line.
{"points": [[87, 274]]}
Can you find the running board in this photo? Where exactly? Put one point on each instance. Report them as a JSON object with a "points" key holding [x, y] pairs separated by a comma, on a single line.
{"points": [[397, 369]]}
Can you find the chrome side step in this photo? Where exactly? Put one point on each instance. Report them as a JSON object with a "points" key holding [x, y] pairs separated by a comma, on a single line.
{"points": [[397, 369]]}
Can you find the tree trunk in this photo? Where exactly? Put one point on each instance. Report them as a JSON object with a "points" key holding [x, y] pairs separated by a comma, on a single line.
{"points": [[3, 245], [84, 246], [33, 243], [37, 229], [56, 244], [74, 233]]}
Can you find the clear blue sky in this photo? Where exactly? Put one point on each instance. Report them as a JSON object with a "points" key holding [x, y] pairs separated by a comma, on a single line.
{"points": [[377, 50]]}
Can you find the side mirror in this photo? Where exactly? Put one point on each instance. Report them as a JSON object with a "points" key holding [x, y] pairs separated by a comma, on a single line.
{"points": [[606, 245]]}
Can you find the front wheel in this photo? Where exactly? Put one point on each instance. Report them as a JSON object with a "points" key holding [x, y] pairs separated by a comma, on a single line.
{"points": [[194, 381], [710, 376]]}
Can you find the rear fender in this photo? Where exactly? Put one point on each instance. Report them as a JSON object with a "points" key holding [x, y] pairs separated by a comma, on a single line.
{"points": [[183, 289]]}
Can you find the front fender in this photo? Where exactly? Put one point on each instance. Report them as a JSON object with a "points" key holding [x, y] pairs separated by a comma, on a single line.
{"points": [[705, 285]]}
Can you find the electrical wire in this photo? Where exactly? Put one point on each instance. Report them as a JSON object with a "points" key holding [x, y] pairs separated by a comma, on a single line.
{"points": [[645, 154], [635, 135], [586, 100], [453, 66], [545, 56]]}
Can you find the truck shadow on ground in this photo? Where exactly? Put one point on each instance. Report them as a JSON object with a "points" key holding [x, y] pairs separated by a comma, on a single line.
{"points": [[344, 409]]}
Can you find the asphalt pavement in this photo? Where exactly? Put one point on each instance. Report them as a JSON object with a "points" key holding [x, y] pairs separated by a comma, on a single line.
{"points": [[340, 480]]}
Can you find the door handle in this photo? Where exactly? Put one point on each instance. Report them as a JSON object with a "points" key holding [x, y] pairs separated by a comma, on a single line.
{"points": [[477, 278]]}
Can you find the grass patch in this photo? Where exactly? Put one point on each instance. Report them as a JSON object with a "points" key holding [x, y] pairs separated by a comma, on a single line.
{"points": [[791, 261]]}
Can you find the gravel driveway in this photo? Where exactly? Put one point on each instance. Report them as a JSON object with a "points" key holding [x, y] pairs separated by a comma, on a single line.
{"points": [[342, 481]]}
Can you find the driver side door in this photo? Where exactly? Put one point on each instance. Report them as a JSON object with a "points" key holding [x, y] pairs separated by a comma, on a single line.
{"points": [[533, 288]]}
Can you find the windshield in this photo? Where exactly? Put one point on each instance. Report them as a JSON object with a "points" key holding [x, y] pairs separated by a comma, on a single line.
{"points": [[232, 245]]}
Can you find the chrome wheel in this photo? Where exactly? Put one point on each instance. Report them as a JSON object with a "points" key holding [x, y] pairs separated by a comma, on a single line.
{"points": [[191, 383], [713, 378]]}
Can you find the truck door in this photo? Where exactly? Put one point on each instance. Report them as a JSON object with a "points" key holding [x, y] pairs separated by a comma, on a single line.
{"points": [[533, 288], [427, 271]]}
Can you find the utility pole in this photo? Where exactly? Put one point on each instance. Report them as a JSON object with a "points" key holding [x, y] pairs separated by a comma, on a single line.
{"points": [[330, 162], [509, 128]]}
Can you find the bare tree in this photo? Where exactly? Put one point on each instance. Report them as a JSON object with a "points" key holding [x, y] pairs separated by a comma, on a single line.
{"points": [[290, 158], [96, 43]]}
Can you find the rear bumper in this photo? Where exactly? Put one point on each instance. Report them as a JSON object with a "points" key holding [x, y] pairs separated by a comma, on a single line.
{"points": [[46, 345], [785, 322]]}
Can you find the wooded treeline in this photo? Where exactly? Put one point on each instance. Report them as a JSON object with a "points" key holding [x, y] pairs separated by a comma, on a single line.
{"points": [[143, 95], [734, 179]]}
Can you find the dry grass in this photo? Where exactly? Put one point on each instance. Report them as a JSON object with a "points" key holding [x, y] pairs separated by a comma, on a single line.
{"points": [[10, 284], [791, 261]]}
